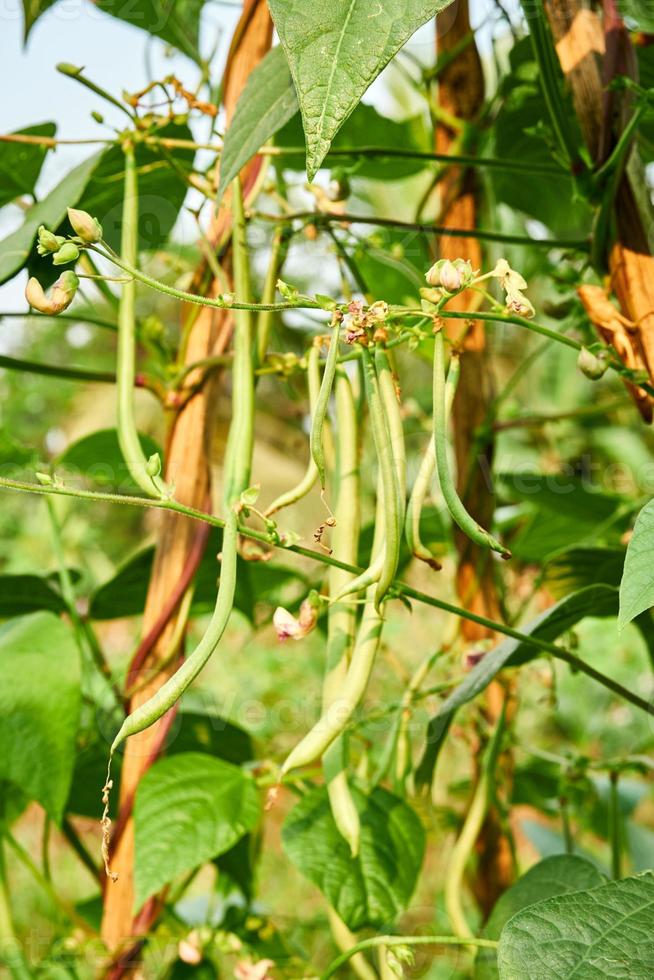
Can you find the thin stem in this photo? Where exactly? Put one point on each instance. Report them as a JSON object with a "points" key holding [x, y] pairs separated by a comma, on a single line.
{"points": [[72, 71], [71, 836], [81, 316], [426, 227], [56, 371], [406, 941], [615, 835]]}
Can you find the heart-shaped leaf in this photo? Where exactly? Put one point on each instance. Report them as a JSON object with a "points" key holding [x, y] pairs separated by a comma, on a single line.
{"points": [[373, 888], [637, 585], [603, 932], [189, 809]]}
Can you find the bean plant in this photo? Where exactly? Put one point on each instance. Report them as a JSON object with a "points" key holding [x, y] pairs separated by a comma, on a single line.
{"points": [[327, 578]]}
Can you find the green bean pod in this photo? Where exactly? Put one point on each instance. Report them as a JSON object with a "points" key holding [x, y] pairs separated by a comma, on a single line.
{"points": [[393, 503], [318, 422], [341, 624], [425, 476], [167, 695], [308, 481], [335, 720], [458, 513], [238, 462], [128, 439]]}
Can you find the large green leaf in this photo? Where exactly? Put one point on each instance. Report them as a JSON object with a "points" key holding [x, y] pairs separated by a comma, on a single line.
{"points": [[21, 594], [373, 888], [258, 583], [15, 248], [556, 875], [335, 50], [97, 458], [596, 600], [20, 163], [189, 809], [32, 10], [637, 585], [564, 512], [162, 190], [265, 104], [39, 707], [588, 935], [175, 21]]}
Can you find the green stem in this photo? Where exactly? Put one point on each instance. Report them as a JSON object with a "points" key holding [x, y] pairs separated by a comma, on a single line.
{"points": [[56, 371], [72, 71], [427, 227], [615, 830], [265, 319], [217, 302], [79, 317], [401, 587], [11, 953], [394, 153], [128, 438], [549, 77], [406, 941]]}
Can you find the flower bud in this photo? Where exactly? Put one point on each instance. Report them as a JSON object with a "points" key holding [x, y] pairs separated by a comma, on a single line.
{"points": [[61, 294], [450, 276], [68, 252], [85, 227], [592, 365], [153, 465], [48, 241]]}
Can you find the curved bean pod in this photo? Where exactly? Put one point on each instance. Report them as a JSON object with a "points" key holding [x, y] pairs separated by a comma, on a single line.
{"points": [[238, 461], [128, 439], [458, 513], [308, 481], [316, 437], [334, 721], [425, 475], [341, 623]]}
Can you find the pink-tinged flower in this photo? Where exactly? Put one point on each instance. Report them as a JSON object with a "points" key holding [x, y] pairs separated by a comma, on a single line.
{"points": [[188, 952], [61, 294], [246, 970], [288, 627], [451, 276]]}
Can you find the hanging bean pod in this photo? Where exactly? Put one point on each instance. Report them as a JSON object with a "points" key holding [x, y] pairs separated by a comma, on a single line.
{"points": [[144, 472], [320, 415], [458, 513], [425, 476]]}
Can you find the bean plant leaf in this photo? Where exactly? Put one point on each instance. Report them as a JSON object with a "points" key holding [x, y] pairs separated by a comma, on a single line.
{"points": [[16, 247], [373, 888], [596, 600], [601, 932], [32, 10], [20, 594], [97, 458], [335, 50], [261, 583], [20, 163], [39, 708], [266, 103], [637, 585], [556, 875], [176, 22], [189, 809]]}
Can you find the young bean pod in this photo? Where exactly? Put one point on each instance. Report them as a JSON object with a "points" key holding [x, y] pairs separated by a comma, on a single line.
{"points": [[459, 514], [238, 461], [308, 481], [143, 472], [393, 503], [333, 722], [341, 624], [318, 422], [425, 476]]}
